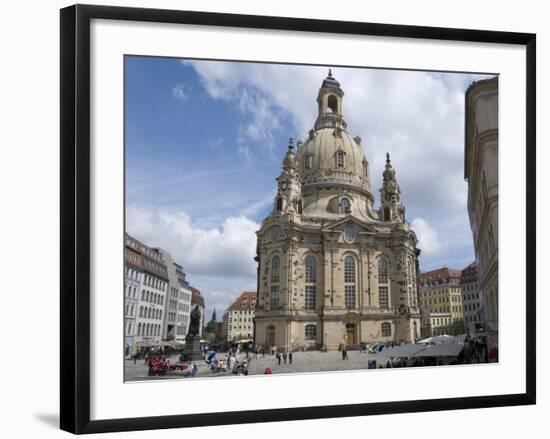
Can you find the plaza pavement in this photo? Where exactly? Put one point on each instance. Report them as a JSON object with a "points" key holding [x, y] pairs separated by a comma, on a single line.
{"points": [[313, 361]]}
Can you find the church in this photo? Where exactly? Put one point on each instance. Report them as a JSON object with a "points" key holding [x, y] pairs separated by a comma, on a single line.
{"points": [[333, 270]]}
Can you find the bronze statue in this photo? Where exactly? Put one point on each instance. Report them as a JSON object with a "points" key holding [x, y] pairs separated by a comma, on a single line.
{"points": [[194, 325]]}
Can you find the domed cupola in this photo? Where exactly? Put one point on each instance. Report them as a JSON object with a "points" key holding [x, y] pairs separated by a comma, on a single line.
{"points": [[329, 100], [330, 156]]}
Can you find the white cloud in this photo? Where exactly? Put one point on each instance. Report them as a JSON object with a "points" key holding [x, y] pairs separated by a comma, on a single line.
{"points": [[218, 260], [218, 252], [261, 114], [181, 91], [428, 241]]}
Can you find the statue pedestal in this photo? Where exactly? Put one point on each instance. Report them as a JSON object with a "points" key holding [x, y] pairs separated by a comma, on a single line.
{"points": [[192, 350]]}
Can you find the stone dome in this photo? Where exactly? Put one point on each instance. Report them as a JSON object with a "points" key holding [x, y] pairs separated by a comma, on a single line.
{"points": [[332, 154]]}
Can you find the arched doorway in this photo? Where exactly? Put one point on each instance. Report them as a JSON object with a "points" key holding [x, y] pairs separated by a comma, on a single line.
{"points": [[270, 335], [351, 339]]}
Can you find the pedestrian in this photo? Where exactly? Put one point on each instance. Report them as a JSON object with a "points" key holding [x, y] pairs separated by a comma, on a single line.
{"points": [[344, 353], [232, 362], [268, 371], [278, 356], [290, 357], [284, 357]]}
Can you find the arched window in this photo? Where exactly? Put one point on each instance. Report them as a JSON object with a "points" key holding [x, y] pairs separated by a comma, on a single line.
{"points": [[279, 204], [340, 159], [386, 329], [382, 271], [349, 282], [300, 206], [275, 269], [345, 205], [387, 216], [309, 161], [332, 104], [310, 332]]}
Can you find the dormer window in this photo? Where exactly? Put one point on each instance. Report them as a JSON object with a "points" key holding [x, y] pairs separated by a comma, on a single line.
{"points": [[309, 161], [340, 159]]}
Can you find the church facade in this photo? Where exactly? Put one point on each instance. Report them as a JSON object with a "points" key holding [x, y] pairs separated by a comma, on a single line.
{"points": [[334, 271]]}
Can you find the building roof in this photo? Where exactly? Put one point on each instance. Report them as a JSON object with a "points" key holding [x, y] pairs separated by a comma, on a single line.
{"points": [[469, 273], [440, 276], [196, 296], [330, 81], [247, 299]]}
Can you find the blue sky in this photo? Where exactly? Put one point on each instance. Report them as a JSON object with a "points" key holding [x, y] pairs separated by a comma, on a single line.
{"points": [[205, 140]]}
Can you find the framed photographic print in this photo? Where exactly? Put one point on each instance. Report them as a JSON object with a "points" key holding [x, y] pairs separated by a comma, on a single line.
{"points": [[337, 218]]}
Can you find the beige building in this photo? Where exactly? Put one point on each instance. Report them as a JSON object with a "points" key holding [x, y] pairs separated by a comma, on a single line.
{"points": [[133, 274], [436, 323], [441, 302], [333, 269], [152, 299], [481, 173], [473, 299], [239, 318]]}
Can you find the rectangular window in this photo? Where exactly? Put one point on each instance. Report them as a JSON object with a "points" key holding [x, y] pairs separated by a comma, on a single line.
{"points": [[310, 332], [383, 297], [309, 161], [310, 297], [349, 296]]}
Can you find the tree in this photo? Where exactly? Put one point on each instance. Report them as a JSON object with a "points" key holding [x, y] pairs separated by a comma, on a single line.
{"points": [[214, 327]]}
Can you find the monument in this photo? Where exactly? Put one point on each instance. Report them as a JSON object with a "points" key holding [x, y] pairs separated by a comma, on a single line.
{"points": [[192, 350]]}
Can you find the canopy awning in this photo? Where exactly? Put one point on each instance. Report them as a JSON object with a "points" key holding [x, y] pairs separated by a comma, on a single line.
{"points": [[443, 339], [441, 350], [405, 351]]}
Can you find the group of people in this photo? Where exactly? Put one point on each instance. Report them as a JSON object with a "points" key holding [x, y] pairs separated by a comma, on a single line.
{"points": [[475, 351], [284, 356], [159, 365], [232, 362]]}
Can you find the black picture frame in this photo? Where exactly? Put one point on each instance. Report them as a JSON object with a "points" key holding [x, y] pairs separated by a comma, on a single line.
{"points": [[75, 217]]}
